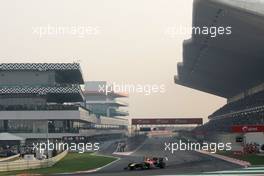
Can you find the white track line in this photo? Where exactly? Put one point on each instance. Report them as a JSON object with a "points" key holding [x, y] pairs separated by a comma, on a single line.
{"points": [[225, 158], [129, 153]]}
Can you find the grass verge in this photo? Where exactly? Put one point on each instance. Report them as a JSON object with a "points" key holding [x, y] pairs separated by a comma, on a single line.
{"points": [[73, 162]]}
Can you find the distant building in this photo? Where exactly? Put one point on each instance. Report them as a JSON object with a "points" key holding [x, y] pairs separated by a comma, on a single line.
{"points": [[42, 100], [103, 101]]}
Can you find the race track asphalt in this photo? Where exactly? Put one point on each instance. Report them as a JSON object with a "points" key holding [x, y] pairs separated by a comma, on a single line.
{"points": [[180, 162]]}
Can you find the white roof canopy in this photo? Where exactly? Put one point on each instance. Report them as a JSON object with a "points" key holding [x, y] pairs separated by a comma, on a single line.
{"points": [[10, 137]]}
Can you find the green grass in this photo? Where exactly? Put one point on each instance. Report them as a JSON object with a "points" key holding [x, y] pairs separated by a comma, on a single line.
{"points": [[252, 158], [71, 163]]}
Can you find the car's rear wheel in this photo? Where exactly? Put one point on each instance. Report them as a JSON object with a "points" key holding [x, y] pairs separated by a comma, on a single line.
{"points": [[162, 165], [147, 166]]}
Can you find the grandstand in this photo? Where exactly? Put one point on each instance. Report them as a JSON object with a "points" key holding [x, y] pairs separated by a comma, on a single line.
{"points": [[229, 66], [45, 100], [104, 102]]}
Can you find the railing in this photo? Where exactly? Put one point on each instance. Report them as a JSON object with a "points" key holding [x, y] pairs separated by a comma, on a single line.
{"points": [[30, 164], [119, 111], [120, 102], [38, 85], [38, 108], [255, 109], [25, 130], [9, 158]]}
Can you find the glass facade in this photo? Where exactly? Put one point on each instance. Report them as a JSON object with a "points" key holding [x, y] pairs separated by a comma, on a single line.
{"points": [[39, 126]]}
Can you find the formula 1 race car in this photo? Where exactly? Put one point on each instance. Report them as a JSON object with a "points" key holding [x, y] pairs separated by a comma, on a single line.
{"points": [[148, 163]]}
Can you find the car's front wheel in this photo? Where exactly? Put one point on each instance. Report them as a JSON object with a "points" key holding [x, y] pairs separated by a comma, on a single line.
{"points": [[132, 168]]}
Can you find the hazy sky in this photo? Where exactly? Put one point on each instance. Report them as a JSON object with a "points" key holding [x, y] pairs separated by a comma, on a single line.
{"points": [[131, 46]]}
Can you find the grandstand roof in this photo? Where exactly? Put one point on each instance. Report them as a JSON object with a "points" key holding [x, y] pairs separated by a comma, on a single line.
{"points": [[10, 137], [69, 72], [224, 65]]}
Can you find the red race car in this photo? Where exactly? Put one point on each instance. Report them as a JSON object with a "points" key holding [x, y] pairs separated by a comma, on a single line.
{"points": [[148, 163]]}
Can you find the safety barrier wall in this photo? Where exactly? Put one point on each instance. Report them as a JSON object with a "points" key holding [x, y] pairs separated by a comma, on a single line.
{"points": [[30, 164], [10, 158]]}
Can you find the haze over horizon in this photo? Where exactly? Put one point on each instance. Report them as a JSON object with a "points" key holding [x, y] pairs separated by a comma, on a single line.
{"points": [[131, 47]]}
